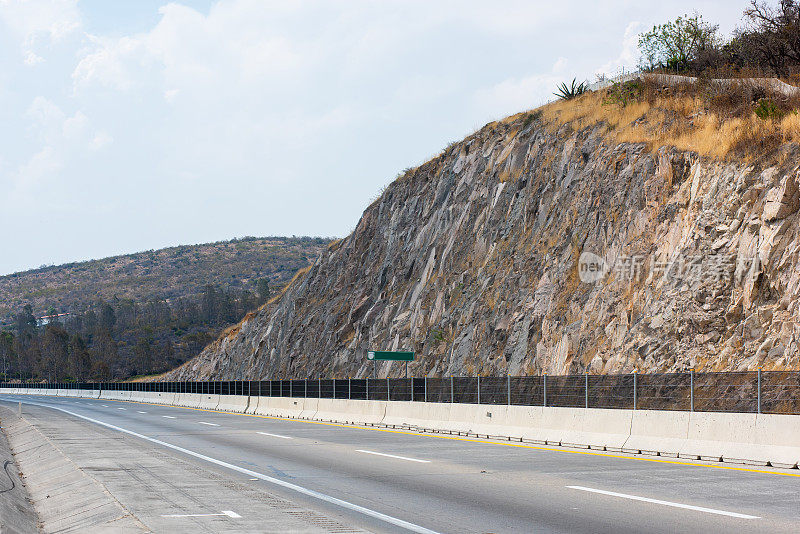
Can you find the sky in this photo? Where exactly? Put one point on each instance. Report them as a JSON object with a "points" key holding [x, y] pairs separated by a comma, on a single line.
{"points": [[131, 125]]}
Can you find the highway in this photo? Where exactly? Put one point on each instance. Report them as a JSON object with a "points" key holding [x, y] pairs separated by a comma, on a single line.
{"points": [[181, 469]]}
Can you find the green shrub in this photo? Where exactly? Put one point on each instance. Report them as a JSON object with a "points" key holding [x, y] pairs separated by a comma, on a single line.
{"points": [[766, 109]]}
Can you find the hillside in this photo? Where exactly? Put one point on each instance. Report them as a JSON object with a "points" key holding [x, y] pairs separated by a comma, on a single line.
{"points": [[603, 234], [167, 273]]}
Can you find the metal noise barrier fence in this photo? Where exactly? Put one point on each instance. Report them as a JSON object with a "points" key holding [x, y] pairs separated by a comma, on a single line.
{"points": [[742, 392]]}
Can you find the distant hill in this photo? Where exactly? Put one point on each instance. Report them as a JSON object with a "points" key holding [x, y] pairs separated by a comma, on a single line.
{"points": [[142, 313], [167, 273]]}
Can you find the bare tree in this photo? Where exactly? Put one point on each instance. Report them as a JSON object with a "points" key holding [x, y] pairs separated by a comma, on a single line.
{"points": [[773, 32]]}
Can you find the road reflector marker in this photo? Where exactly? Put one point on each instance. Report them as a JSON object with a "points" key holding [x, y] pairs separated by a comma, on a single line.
{"points": [[394, 456], [666, 503], [274, 435]]}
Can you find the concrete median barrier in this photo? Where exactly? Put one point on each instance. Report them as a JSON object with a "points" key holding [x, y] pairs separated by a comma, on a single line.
{"points": [[513, 422], [252, 404], [116, 395], [431, 415], [233, 403], [712, 436], [780, 436], [208, 402], [280, 406], [189, 400], [350, 411], [598, 428], [744, 438], [310, 409], [657, 432], [763, 439], [159, 397]]}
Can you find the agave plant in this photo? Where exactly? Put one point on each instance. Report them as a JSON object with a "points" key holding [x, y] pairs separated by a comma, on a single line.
{"points": [[567, 92]]}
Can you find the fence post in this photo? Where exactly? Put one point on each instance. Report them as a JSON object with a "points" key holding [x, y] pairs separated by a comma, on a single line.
{"points": [[691, 390], [508, 388], [634, 389], [388, 396], [544, 389], [586, 387], [759, 390], [319, 387], [425, 382], [349, 388], [451, 389], [479, 389], [305, 388]]}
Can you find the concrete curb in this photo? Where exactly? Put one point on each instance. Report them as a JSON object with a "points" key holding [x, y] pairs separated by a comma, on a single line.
{"points": [[16, 511]]}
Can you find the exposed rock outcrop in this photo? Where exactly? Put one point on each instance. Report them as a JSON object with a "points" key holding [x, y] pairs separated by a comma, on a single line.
{"points": [[477, 260]]}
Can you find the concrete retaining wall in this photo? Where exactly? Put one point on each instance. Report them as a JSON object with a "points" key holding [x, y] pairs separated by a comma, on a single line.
{"points": [[759, 439]]}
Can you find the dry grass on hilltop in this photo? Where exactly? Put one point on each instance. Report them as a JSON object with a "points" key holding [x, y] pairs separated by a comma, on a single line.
{"points": [[739, 119]]}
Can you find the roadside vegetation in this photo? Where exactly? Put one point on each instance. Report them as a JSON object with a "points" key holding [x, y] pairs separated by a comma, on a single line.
{"points": [[733, 107]]}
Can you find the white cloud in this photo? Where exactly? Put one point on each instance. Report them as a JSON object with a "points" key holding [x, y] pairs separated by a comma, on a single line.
{"points": [[100, 140], [170, 94], [39, 24], [109, 63], [628, 57], [518, 94], [60, 138], [42, 165], [284, 115]]}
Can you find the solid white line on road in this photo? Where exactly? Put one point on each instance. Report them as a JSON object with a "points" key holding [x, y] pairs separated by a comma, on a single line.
{"points": [[209, 424], [666, 503], [168, 416], [274, 435], [393, 456], [229, 513], [278, 482]]}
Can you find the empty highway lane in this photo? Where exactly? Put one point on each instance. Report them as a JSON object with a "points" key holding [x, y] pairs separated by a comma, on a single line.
{"points": [[386, 480]]}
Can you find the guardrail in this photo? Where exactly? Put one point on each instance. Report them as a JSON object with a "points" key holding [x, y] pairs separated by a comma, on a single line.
{"points": [[740, 392]]}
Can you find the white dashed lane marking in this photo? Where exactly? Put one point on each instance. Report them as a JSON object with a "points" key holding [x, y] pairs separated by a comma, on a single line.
{"points": [[666, 503], [393, 456], [273, 435]]}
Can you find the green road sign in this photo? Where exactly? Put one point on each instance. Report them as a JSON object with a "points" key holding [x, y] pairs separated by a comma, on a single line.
{"points": [[402, 356]]}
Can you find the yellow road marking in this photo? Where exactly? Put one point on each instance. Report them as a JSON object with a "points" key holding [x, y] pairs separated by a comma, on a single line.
{"points": [[471, 440]]}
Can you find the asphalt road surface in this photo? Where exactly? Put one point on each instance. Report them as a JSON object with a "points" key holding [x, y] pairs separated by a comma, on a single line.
{"points": [[342, 478]]}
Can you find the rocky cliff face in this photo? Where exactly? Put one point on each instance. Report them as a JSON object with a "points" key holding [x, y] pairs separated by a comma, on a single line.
{"points": [[529, 248]]}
